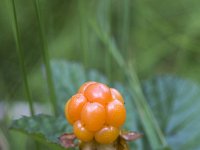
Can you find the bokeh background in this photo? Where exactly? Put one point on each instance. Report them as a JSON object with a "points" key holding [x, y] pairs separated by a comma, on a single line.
{"points": [[158, 37]]}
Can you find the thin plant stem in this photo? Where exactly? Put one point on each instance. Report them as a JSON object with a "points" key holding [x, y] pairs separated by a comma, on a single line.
{"points": [[138, 94], [83, 32], [125, 26], [21, 56], [46, 59], [106, 25]]}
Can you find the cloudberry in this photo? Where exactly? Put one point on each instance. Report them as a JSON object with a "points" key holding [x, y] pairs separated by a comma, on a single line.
{"points": [[96, 112]]}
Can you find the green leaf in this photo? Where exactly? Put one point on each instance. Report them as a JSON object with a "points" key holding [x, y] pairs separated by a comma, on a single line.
{"points": [[176, 105], [44, 128]]}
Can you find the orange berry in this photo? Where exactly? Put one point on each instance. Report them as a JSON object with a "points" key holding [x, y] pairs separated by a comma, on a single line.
{"points": [[93, 116], [81, 132], [75, 106], [116, 113], [107, 135], [98, 92], [69, 119], [96, 111], [116, 95], [84, 86]]}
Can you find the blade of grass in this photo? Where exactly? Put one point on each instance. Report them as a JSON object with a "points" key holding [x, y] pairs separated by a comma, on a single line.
{"points": [[106, 17], [138, 94], [83, 32], [154, 133], [21, 56], [111, 46], [46, 59], [125, 26], [108, 66], [22, 61]]}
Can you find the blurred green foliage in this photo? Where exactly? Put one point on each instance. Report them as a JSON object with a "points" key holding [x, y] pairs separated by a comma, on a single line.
{"points": [[158, 37]]}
